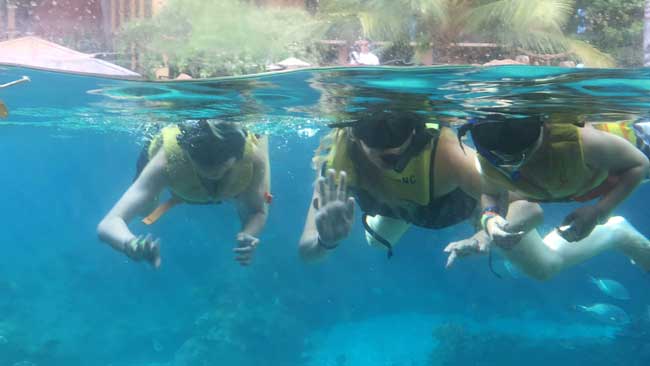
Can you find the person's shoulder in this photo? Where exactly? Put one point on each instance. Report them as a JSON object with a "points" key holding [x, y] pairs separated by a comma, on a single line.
{"points": [[259, 158], [452, 149], [596, 143], [260, 149], [155, 172], [593, 136], [448, 135]]}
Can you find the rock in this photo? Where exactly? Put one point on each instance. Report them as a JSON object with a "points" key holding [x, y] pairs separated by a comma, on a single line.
{"points": [[183, 76], [507, 61], [523, 59], [567, 64], [192, 352]]}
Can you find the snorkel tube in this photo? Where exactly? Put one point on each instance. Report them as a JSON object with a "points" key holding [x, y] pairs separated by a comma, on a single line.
{"points": [[4, 112]]}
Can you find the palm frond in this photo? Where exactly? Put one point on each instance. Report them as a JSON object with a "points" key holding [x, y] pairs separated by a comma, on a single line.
{"points": [[532, 24], [590, 56]]}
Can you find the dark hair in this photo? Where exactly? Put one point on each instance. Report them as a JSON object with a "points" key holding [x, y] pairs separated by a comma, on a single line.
{"points": [[384, 129], [506, 135], [211, 143]]}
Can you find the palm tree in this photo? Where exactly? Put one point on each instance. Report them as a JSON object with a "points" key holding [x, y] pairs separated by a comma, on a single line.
{"points": [[646, 35], [532, 25]]}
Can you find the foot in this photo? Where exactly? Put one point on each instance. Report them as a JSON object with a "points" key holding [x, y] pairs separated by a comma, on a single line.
{"points": [[634, 244]]}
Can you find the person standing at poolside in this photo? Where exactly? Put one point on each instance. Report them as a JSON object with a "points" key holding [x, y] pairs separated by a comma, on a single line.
{"points": [[362, 54]]}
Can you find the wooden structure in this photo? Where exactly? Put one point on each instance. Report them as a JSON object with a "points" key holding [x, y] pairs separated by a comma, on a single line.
{"points": [[119, 12], [51, 18], [294, 3]]}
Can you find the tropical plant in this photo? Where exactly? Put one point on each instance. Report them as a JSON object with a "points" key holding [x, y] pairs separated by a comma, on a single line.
{"points": [[532, 25], [225, 37], [613, 26]]}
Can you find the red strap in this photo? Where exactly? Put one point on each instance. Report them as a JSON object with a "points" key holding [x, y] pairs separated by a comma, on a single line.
{"points": [[599, 191], [160, 210]]}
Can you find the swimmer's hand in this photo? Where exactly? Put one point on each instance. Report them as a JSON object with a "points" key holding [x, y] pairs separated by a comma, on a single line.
{"points": [[477, 244], [144, 248], [334, 209], [246, 245], [580, 223], [501, 234]]}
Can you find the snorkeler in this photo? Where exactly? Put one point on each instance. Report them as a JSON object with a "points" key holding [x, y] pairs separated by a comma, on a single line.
{"points": [[554, 162], [4, 112], [405, 171], [401, 170], [201, 162]]}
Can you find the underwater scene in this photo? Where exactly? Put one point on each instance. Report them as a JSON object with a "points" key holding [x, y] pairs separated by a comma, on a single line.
{"points": [[70, 145]]}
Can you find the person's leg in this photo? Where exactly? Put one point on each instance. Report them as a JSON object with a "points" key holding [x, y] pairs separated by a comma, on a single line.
{"points": [[388, 228], [635, 246], [544, 258]]}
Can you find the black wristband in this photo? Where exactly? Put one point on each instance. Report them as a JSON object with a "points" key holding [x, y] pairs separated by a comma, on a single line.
{"points": [[325, 246]]}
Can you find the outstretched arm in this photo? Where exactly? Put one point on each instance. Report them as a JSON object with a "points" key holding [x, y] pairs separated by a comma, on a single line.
{"points": [[113, 229], [252, 206], [329, 219], [618, 156], [624, 163]]}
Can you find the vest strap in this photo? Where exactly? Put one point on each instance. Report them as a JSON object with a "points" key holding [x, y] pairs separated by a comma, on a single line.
{"points": [[376, 236], [160, 210]]}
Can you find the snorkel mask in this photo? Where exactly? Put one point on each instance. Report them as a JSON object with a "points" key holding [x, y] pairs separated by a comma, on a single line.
{"points": [[381, 137], [209, 145], [516, 149]]}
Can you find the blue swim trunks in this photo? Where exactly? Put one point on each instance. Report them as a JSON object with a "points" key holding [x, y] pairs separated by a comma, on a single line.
{"points": [[642, 131]]}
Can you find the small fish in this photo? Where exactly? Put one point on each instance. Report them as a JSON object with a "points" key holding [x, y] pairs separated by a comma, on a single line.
{"points": [[506, 268], [606, 313], [157, 346], [611, 288], [511, 269], [3, 110]]}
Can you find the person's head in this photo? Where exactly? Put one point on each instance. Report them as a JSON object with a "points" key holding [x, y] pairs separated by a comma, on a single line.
{"points": [[363, 45], [212, 146], [388, 137], [506, 142]]}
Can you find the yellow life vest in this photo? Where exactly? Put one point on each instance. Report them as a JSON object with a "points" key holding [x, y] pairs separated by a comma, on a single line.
{"points": [[406, 195], [556, 172], [413, 184], [183, 179]]}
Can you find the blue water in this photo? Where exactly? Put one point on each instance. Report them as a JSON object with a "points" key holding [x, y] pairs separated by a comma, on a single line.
{"points": [[68, 151]]}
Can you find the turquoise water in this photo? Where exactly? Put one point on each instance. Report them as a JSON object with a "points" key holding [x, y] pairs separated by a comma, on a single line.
{"points": [[69, 148]]}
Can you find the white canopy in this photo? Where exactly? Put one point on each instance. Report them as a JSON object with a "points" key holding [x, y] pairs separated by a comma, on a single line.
{"points": [[37, 52]]}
